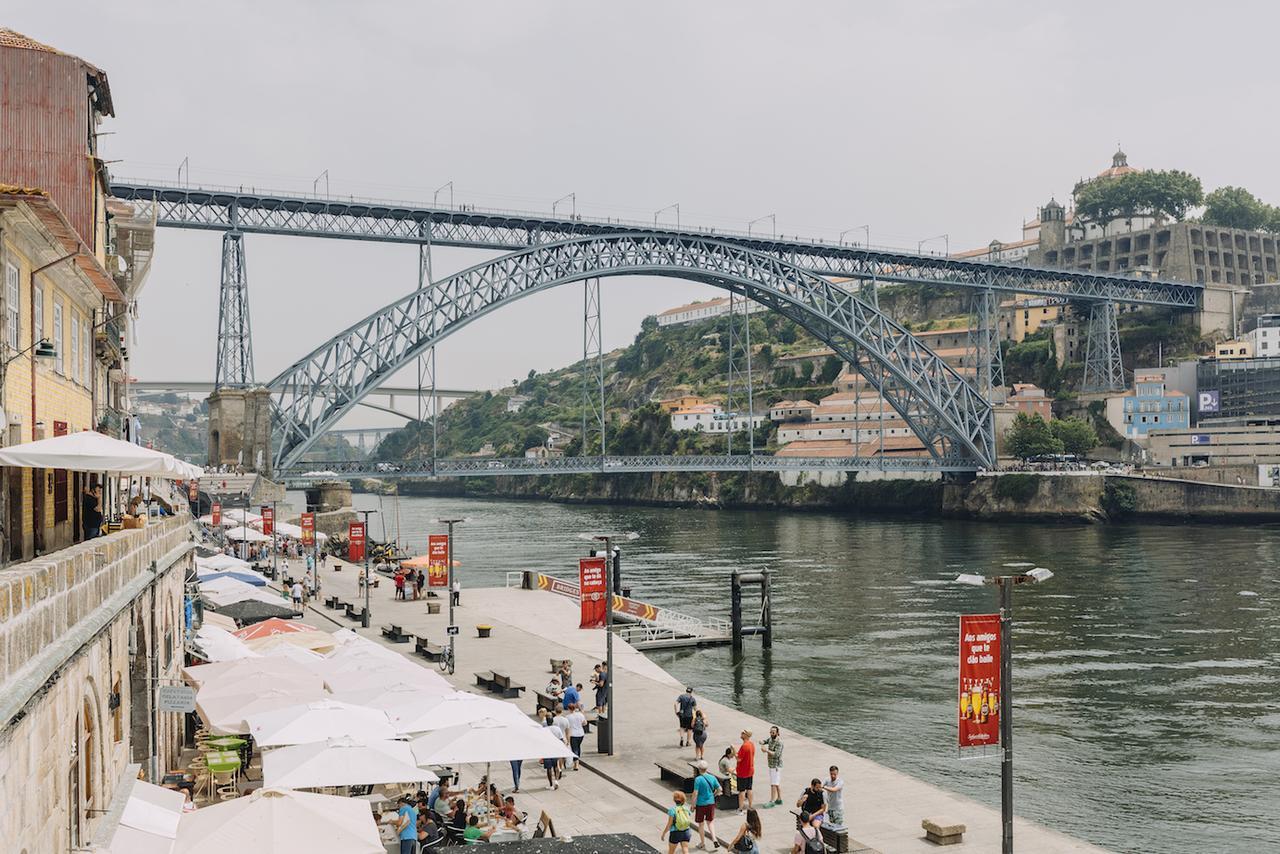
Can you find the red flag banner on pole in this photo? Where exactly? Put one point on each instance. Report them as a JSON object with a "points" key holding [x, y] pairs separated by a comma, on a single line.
{"points": [[308, 528], [268, 520], [215, 514], [591, 586], [193, 490], [355, 542], [438, 560], [979, 705]]}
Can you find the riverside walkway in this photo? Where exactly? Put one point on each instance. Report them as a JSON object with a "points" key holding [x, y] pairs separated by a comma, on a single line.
{"points": [[618, 794]]}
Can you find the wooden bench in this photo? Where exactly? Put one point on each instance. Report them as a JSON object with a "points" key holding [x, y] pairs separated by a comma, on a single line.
{"points": [[484, 679], [675, 772], [943, 831], [423, 647], [332, 602], [433, 607], [546, 701], [505, 686], [395, 634], [353, 612]]}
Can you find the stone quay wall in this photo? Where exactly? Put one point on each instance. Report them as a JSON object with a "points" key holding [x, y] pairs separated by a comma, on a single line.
{"points": [[85, 634]]}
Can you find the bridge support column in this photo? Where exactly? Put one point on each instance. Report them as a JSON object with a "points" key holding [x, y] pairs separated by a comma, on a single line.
{"points": [[593, 399], [240, 429], [1103, 370], [739, 384], [235, 340], [984, 345]]}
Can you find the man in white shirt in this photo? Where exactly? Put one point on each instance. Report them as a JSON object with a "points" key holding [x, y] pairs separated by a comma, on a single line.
{"points": [[577, 731], [296, 593], [561, 720]]}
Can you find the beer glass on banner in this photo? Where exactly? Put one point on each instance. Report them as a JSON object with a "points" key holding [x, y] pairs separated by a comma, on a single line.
{"points": [[964, 705]]}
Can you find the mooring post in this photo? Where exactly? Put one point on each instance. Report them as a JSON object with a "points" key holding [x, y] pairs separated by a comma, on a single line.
{"points": [[735, 610], [766, 609]]}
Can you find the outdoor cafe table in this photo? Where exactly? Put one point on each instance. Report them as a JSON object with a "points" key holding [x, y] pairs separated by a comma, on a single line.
{"points": [[226, 742], [221, 762]]}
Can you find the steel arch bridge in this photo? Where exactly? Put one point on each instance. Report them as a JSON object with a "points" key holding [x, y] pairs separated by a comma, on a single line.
{"points": [[950, 417]]}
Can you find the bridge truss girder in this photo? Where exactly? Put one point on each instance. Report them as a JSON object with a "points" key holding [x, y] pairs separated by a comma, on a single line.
{"points": [[950, 417], [266, 213]]}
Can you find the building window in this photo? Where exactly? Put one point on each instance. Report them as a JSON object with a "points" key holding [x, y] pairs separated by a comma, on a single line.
{"points": [[75, 348], [38, 309], [85, 355], [11, 304], [58, 342]]}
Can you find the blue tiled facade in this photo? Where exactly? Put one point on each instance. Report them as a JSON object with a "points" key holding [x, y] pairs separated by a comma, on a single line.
{"points": [[1152, 407]]}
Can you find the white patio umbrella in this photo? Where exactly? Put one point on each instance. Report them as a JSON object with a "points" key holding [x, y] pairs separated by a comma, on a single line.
{"points": [[487, 741], [216, 620], [226, 713], [224, 522], [222, 562], [149, 821], [401, 696], [94, 452], [240, 515], [341, 762], [220, 645], [274, 820], [224, 591], [358, 677], [236, 677], [455, 709], [248, 535], [319, 642], [320, 720]]}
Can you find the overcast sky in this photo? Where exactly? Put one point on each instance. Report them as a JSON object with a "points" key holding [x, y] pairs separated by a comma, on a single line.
{"points": [[916, 118]]}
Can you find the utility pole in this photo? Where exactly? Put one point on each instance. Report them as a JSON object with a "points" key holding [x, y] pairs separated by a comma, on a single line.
{"points": [[453, 661], [364, 616], [607, 539], [275, 549]]}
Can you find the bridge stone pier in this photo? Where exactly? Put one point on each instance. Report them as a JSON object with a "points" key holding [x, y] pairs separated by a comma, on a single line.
{"points": [[240, 429]]}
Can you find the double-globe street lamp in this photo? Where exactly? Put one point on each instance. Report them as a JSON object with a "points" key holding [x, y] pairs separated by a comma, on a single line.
{"points": [[607, 539], [1005, 584]]}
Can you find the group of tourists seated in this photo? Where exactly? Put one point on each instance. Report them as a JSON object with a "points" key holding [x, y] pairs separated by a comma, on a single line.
{"points": [[464, 816]]}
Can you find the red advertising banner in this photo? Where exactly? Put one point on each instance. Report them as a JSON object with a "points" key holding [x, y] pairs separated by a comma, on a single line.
{"points": [[979, 680], [437, 560], [193, 490], [268, 520], [308, 528], [355, 542], [215, 514], [591, 583]]}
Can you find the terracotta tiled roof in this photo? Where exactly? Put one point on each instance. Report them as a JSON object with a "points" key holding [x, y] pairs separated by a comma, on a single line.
{"points": [[690, 306], [12, 38], [817, 448]]}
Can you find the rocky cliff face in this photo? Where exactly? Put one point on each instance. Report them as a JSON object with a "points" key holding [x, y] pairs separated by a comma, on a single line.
{"points": [[1028, 496]]}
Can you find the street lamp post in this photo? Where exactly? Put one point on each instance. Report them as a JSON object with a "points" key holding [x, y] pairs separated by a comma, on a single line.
{"points": [[449, 567], [1005, 585], [275, 549], [364, 616], [608, 539]]}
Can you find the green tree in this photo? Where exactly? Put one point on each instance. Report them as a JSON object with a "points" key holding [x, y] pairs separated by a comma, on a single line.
{"points": [[1235, 207], [1171, 192], [830, 370], [1076, 435], [1030, 436]]}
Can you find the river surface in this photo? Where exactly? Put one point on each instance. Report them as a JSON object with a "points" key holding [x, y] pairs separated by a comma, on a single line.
{"points": [[1146, 671]]}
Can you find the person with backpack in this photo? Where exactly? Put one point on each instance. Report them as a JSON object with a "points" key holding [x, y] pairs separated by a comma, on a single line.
{"points": [[677, 829], [748, 839], [705, 787], [808, 836], [699, 729]]}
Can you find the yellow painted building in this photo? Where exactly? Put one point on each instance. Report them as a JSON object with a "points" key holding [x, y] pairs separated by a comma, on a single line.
{"points": [[1025, 315], [53, 288]]}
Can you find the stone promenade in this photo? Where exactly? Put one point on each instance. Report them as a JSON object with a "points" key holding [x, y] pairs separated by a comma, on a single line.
{"points": [[618, 794]]}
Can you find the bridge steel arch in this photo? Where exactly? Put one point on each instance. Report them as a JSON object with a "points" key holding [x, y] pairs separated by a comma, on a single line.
{"points": [[948, 414]]}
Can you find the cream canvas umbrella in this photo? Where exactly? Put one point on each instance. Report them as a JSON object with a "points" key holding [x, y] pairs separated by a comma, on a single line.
{"points": [[378, 675], [222, 562], [247, 535], [200, 674], [487, 740], [216, 620], [319, 642], [319, 720], [454, 709], [226, 713], [220, 645], [149, 820], [341, 762], [269, 821], [398, 696]]}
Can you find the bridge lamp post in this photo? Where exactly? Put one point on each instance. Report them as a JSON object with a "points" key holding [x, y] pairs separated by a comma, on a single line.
{"points": [[771, 217], [315, 185], [453, 661], [572, 199], [608, 539], [1005, 584], [675, 207], [863, 228], [943, 237], [436, 195], [364, 615]]}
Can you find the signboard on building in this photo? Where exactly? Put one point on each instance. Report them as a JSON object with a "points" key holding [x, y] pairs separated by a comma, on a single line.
{"points": [[268, 520], [438, 560], [215, 514], [308, 525], [1269, 476], [1209, 401], [176, 698], [355, 542], [979, 701], [591, 585], [1201, 439]]}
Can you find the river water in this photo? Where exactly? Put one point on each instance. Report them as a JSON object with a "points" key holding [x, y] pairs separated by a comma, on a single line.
{"points": [[1146, 672]]}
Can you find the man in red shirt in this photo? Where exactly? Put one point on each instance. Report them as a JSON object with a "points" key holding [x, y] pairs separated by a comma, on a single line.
{"points": [[746, 771]]}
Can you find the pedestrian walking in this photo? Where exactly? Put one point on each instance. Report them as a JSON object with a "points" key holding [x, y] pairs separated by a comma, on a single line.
{"points": [[745, 770], [517, 765], [685, 706], [551, 765], [699, 730], [772, 747], [561, 721], [705, 787], [296, 592], [308, 588], [419, 582], [834, 791], [676, 830], [457, 592], [748, 839], [602, 688], [577, 731]]}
